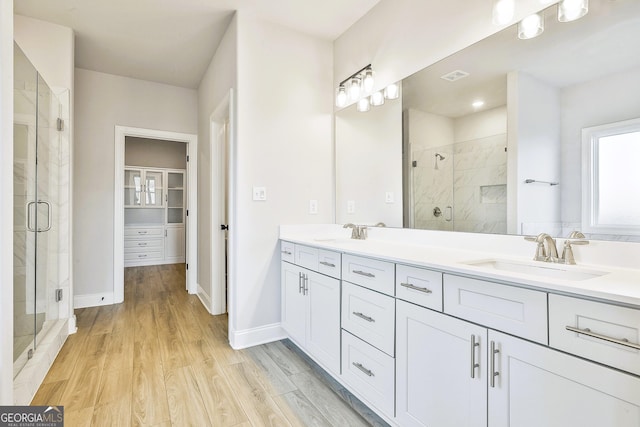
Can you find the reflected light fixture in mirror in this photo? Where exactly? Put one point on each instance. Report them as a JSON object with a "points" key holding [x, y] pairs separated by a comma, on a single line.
{"points": [[531, 26], [503, 11], [570, 10], [392, 91], [363, 105], [377, 98]]}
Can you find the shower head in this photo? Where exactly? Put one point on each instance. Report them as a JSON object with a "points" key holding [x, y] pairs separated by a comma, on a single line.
{"points": [[440, 156]]}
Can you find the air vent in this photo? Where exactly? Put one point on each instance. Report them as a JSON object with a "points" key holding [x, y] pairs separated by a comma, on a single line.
{"points": [[455, 75]]}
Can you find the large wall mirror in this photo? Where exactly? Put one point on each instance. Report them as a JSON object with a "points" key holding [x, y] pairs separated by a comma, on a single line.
{"points": [[492, 138]]}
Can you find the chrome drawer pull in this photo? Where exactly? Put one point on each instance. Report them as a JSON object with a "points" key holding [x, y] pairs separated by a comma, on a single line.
{"points": [[492, 368], [416, 288], [142, 232], [624, 342], [364, 273], [474, 365], [142, 244], [142, 256], [286, 252], [363, 369], [328, 264], [365, 317]]}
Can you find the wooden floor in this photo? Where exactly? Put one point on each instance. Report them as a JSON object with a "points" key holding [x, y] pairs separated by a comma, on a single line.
{"points": [[159, 359]]}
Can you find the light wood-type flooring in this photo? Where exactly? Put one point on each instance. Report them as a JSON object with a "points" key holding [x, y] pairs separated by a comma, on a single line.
{"points": [[159, 359]]}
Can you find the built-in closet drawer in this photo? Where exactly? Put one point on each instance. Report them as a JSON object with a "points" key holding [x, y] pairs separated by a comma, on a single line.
{"points": [[287, 251], [137, 245], [133, 232], [597, 331], [150, 255], [370, 372], [517, 311], [306, 257], [371, 273], [370, 316], [329, 263], [419, 286]]}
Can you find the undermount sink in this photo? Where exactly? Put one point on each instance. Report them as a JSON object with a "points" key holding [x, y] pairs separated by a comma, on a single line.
{"points": [[539, 268]]}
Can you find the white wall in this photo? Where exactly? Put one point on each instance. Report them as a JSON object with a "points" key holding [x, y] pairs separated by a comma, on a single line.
{"points": [[481, 124], [284, 134], [6, 193], [102, 102], [369, 164], [610, 99], [400, 37], [534, 153], [216, 82], [427, 130]]}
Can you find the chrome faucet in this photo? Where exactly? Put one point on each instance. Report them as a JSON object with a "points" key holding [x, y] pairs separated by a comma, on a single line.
{"points": [[358, 232], [575, 238], [547, 251]]}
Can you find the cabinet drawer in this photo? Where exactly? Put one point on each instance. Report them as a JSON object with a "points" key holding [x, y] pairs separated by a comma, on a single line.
{"points": [[306, 257], [518, 311], [143, 232], [370, 273], [370, 316], [144, 256], [137, 245], [419, 286], [287, 251], [369, 372], [606, 321], [329, 263]]}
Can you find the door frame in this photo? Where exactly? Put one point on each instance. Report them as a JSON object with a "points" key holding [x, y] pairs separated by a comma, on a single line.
{"points": [[191, 221]]}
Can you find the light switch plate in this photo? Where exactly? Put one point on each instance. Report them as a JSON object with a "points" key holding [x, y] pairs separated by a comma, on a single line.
{"points": [[351, 206], [259, 193], [313, 207]]}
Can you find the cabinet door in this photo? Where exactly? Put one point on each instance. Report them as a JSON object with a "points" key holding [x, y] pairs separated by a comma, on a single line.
{"points": [[323, 319], [175, 197], [436, 383], [174, 243], [293, 303], [153, 188], [133, 189], [537, 386]]}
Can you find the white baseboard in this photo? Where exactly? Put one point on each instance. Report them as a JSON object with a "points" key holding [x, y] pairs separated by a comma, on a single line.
{"points": [[204, 298], [93, 300], [73, 328], [256, 336]]}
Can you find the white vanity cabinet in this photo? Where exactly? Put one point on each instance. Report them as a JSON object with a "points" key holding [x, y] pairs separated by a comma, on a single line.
{"points": [[311, 310]]}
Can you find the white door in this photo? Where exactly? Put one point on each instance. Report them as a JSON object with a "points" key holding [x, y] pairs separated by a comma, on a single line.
{"points": [[437, 382], [323, 319], [537, 386], [294, 304]]}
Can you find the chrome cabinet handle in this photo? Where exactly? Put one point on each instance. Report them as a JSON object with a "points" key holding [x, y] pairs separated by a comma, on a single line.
{"points": [[474, 365], [29, 204], [328, 264], [416, 288], [306, 285], [492, 368], [142, 232], [364, 273], [300, 282], [363, 369], [286, 252], [364, 316], [623, 342], [142, 244], [142, 256]]}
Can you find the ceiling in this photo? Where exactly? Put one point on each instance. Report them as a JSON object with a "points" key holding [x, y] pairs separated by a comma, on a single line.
{"points": [[173, 41]]}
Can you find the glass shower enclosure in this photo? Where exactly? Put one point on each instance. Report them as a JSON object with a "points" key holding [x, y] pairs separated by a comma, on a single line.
{"points": [[36, 176]]}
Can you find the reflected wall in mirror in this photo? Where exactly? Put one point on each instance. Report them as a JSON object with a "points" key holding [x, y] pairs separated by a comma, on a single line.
{"points": [[492, 135]]}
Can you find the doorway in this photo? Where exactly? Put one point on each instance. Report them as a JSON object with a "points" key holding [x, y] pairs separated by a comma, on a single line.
{"points": [[121, 191]]}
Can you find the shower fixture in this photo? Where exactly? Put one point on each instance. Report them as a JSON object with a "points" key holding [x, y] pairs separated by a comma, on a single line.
{"points": [[438, 157]]}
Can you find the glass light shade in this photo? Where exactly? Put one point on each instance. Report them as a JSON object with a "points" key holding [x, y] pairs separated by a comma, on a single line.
{"points": [[354, 89], [341, 97], [392, 91], [377, 98], [570, 10], [503, 11], [367, 82], [531, 26], [363, 105]]}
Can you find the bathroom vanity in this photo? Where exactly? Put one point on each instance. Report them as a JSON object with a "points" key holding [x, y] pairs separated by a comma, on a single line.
{"points": [[429, 335]]}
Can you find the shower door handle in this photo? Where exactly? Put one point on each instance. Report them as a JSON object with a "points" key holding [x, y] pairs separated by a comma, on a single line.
{"points": [[29, 204], [48, 205]]}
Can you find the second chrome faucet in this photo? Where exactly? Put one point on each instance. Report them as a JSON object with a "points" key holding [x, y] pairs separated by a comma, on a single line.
{"points": [[547, 251]]}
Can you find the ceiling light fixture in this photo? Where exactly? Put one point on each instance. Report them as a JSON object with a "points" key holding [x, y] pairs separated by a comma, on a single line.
{"points": [[531, 26], [477, 104], [353, 87], [570, 10], [503, 11]]}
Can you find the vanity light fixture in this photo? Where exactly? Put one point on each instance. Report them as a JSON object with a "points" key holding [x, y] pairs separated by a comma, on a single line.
{"points": [[367, 80], [352, 88], [570, 10], [531, 26], [392, 91], [377, 98], [341, 96], [503, 11], [363, 105]]}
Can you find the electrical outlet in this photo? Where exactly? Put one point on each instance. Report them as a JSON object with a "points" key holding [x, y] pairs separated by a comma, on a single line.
{"points": [[259, 193], [351, 206], [313, 207], [388, 197]]}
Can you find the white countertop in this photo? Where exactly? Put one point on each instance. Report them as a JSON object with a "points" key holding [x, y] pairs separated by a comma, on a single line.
{"points": [[619, 285]]}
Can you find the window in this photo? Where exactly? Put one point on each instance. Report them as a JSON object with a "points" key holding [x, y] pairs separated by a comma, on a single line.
{"points": [[611, 178]]}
